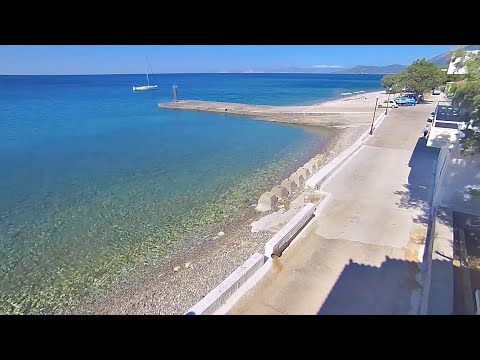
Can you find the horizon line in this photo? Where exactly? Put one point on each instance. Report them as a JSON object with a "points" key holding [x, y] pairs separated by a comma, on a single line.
{"points": [[210, 72]]}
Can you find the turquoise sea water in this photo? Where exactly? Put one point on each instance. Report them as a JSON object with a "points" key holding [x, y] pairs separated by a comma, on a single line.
{"points": [[95, 180]]}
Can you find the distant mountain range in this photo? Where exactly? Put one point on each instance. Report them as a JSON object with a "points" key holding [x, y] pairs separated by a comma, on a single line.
{"points": [[325, 69], [370, 69], [443, 60], [321, 69]]}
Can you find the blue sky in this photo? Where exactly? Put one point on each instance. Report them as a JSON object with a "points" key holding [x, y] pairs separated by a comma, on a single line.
{"points": [[130, 59]]}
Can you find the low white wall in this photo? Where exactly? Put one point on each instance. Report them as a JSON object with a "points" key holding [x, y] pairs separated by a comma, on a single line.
{"points": [[282, 238], [477, 301], [218, 296], [425, 276], [249, 284]]}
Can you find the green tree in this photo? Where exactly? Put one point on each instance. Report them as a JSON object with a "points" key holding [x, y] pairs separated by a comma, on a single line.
{"points": [[391, 81], [467, 98], [422, 75]]}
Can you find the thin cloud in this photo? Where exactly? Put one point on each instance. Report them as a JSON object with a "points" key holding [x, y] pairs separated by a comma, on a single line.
{"points": [[328, 66], [250, 70]]}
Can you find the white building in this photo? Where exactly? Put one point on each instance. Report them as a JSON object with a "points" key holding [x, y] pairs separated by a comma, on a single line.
{"points": [[455, 68]]}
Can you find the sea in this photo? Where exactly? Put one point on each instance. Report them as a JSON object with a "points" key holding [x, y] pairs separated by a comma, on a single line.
{"points": [[97, 181]]}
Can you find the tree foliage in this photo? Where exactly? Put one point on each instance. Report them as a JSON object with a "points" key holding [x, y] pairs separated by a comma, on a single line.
{"points": [[421, 75], [391, 81], [475, 193], [467, 98]]}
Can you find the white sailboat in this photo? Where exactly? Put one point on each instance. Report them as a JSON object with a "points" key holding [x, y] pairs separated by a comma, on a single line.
{"points": [[148, 86]]}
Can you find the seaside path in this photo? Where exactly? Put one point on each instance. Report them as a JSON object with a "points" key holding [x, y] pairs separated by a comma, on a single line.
{"points": [[360, 254]]}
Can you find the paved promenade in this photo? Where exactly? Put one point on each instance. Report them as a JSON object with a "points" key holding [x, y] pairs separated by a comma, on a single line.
{"points": [[360, 254]]}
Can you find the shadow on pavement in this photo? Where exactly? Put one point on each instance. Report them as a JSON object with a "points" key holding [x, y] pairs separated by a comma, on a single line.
{"points": [[369, 290], [418, 192], [424, 102]]}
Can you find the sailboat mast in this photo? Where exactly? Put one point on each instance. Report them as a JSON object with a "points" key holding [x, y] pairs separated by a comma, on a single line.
{"points": [[146, 66]]}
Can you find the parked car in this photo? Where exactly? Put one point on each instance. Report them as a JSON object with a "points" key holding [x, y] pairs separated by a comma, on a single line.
{"points": [[389, 104], [436, 91], [403, 100], [411, 101], [431, 116], [412, 97]]}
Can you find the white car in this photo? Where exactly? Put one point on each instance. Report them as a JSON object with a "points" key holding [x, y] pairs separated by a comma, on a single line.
{"points": [[390, 104]]}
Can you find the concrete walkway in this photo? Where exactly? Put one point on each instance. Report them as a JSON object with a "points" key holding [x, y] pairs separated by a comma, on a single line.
{"points": [[360, 254]]}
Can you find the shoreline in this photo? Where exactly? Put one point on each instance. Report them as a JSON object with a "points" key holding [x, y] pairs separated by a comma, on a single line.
{"points": [[200, 262]]}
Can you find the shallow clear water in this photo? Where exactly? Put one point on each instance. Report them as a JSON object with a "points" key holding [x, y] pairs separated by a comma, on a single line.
{"points": [[97, 181]]}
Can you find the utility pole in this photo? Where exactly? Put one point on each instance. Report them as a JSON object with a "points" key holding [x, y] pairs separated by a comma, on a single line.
{"points": [[373, 119]]}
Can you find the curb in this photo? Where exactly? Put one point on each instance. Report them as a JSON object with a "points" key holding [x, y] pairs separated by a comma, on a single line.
{"points": [[249, 284], [477, 301], [218, 296], [282, 238]]}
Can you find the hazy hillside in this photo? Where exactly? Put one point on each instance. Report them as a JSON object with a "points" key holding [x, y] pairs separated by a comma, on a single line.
{"points": [[366, 69], [441, 60]]}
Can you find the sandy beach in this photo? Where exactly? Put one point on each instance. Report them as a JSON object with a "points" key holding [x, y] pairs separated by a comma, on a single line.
{"points": [[202, 261]]}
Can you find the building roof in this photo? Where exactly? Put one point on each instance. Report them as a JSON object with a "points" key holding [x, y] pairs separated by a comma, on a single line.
{"points": [[448, 113], [445, 131]]}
